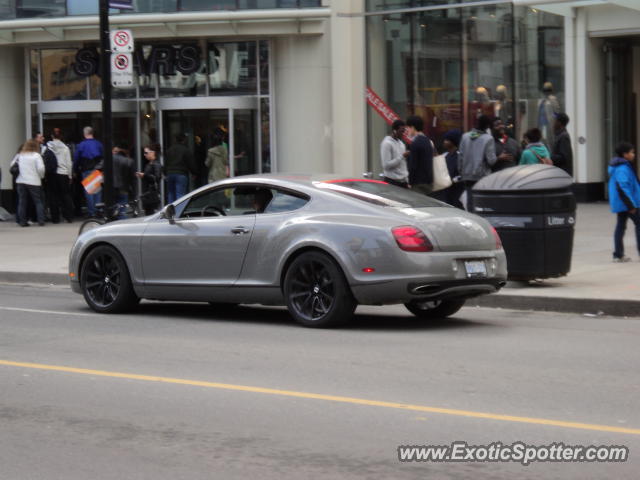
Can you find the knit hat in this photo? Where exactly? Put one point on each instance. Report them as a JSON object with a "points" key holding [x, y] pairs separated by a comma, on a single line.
{"points": [[453, 136]]}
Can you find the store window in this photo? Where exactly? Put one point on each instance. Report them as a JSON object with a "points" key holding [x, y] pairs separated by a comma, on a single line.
{"points": [[539, 53], [451, 65], [232, 68], [59, 79], [41, 8], [33, 75], [191, 5]]}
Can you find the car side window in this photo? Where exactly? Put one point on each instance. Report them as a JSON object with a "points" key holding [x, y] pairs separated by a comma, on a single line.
{"points": [[284, 201], [218, 202]]}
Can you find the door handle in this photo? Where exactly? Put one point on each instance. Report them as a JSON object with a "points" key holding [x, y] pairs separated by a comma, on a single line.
{"points": [[239, 230]]}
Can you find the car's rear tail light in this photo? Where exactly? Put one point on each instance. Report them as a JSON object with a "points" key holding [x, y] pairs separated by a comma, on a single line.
{"points": [[411, 239], [497, 237]]}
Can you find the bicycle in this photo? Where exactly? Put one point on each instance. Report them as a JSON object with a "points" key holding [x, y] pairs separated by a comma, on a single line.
{"points": [[104, 215]]}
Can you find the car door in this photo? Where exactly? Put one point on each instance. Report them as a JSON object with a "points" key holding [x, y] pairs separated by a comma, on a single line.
{"points": [[205, 245]]}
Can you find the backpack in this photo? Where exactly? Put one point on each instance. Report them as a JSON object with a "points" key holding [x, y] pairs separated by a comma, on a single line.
{"points": [[50, 162]]}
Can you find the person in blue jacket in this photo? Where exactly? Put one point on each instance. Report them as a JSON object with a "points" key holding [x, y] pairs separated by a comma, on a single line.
{"points": [[624, 197]]}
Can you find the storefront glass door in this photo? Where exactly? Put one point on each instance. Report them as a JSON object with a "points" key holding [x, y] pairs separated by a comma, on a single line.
{"points": [[238, 128]]}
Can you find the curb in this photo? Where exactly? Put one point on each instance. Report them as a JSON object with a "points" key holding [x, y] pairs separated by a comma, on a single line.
{"points": [[591, 306], [32, 277]]}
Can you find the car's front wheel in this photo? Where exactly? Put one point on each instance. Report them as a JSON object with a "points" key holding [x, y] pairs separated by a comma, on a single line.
{"points": [[434, 308], [105, 281], [316, 292]]}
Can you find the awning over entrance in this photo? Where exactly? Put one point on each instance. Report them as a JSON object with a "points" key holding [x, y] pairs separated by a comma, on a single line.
{"points": [[272, 22], [565, 7]]}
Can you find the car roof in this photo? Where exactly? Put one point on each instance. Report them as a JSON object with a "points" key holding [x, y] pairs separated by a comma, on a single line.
{"points": [[293, 179]]}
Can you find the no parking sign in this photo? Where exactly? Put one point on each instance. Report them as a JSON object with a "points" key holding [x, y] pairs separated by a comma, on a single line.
{"points": [[121, 70], [121, 41]]}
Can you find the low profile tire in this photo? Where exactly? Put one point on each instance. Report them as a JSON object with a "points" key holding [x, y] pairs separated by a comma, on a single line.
{"points": [[434, 309], [105, 281], [316, 292]]}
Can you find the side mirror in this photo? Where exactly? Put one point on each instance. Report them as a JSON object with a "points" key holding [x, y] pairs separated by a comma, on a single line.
{"points": [[170, 213]]}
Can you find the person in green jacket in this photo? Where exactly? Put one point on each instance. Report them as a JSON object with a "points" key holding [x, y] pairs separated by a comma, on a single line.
{"points": [[535, 151]]}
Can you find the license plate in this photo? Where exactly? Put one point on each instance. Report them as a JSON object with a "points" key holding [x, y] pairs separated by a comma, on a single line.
{"points": [[475, 268]]}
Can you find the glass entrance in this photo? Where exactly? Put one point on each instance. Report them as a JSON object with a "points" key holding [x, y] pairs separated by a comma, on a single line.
{"points": [[201, 127], [71, 124]]}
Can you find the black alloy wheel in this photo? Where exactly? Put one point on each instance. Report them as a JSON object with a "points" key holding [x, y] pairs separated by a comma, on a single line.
{"points": [[316, 292], [434, 309], [105, 281]]}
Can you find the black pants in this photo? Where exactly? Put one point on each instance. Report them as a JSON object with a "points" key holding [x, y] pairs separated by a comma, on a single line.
{"points": [[468, 185], [34, 192], [59, 197]]}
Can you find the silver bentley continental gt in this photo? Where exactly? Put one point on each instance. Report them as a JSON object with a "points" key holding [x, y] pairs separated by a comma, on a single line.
{"points": [[319, 245]]}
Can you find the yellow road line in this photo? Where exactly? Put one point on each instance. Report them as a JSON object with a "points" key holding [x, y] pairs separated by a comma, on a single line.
{"points": [[330, 398]]}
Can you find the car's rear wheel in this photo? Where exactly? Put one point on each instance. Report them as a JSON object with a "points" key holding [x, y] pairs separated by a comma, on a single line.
{"points": [[434, 309], [316, 292], [105, 281]]}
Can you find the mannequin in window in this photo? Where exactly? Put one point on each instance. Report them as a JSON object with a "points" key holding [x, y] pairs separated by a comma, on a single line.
{"points": [[548, 107]]}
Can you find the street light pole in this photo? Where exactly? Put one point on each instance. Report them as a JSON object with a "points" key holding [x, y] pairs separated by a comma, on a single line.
{"points": [[105, 75]]}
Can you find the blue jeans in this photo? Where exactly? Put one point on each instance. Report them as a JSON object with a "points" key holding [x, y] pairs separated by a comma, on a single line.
{"points": [[177, 184], [91, 198], [621, 227], [123, 200]]}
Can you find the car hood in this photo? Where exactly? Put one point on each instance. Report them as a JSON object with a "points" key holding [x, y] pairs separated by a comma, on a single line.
{"points": [[452, 229]]}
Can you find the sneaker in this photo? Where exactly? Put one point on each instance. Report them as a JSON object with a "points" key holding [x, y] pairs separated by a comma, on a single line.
{"points": [[623, 259]]}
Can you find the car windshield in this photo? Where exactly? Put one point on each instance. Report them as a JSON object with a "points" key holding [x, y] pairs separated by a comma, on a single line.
{"points": [[379, 193]]}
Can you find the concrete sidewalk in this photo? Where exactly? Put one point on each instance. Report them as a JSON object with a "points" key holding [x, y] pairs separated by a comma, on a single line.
{"points": [[595, 284]]}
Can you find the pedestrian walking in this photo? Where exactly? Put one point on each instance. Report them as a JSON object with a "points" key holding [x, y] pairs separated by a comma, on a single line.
{"points": [[535, 151], [561, 151], [150, 178], [624, 197], [393, 156], [199, 158], [178, 164], [452, 194], [507, 149], [88, 157], [477, 155], [217, 158], [29, 181], [124, 177], [420, 161], [60, 182]]}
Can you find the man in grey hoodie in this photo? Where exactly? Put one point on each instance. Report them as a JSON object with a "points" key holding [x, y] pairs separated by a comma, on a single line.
{"points": [[59, 184], [477, 154], [393, 155]]}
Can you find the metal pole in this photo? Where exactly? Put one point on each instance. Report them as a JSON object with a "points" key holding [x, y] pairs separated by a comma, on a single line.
{"points": [[105, 71]]}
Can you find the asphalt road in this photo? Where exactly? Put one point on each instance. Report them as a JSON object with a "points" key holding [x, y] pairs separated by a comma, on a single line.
{"points": [[175, 391]]}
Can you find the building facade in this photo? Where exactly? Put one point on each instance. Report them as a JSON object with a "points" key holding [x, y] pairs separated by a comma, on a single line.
{"points": [[286, 79]]}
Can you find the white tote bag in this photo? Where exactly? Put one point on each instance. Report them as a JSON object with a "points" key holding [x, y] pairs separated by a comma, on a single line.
{"points": [[441, 178]]}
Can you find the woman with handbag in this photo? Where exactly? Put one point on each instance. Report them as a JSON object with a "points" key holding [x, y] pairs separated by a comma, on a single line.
{"points": [[535, 151], [151, 177], [29, 181]]}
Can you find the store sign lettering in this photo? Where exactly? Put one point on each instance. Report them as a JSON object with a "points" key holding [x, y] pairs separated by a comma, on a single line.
{"points": [[163, 60]]}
